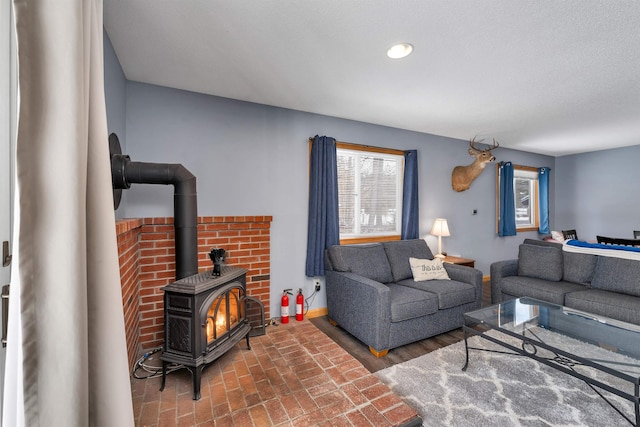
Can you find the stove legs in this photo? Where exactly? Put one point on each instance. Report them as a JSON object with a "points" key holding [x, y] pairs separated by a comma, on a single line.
{"points": [[164, 375], [196, 375], [196, 371]]}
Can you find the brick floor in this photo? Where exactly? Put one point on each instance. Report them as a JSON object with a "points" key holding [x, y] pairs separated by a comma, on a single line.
{"points": [[293, 376]]}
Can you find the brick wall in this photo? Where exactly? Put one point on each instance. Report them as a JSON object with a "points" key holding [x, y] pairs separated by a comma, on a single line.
{"points": [[128, 232], [147, 263]]}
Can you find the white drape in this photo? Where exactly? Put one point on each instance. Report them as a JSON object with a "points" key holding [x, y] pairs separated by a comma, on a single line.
{"points": [[74, 359]]}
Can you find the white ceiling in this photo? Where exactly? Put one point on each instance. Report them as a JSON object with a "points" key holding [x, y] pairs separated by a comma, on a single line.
{"points": [[545, 76]]}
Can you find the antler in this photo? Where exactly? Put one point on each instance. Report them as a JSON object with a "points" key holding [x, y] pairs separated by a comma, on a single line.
{"points": [[473, 142]]}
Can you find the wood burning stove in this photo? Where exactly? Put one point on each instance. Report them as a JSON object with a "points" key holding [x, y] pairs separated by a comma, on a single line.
{"points": [[204, 316]]}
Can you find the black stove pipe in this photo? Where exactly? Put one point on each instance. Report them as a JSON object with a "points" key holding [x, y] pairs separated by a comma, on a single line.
{"points": [[124, 172]]}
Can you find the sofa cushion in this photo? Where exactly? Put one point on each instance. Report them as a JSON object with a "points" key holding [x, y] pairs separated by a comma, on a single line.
{"points": [[399, 251], [522, 286], [367, 260], [578, 268], [542, 262], [408, 303], [617, 275], [450, 293], [427, 269], [547, 243], [605, 303]]}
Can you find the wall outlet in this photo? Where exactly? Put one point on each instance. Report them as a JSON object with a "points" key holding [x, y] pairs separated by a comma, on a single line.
{"points": [[317, 286]]}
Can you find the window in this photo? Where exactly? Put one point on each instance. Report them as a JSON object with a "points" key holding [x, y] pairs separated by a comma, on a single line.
{"points": [[369, 193], [525, 185]]}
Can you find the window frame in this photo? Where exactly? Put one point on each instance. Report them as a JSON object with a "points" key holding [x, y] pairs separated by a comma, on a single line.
{"points": [[536, 199], [376, 150]]}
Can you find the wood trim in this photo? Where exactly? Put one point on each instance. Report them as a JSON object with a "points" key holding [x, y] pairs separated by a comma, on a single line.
{"points": [[536, 223], [370, 148], [378, 354], [525, 168], [360, 147], [363, 147], [317, 312], [373, 239], [497, 197]]}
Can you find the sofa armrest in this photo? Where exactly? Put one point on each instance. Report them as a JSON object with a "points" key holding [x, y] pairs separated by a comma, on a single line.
{"points": [[361, 306], [466, 274], [498, 270]]}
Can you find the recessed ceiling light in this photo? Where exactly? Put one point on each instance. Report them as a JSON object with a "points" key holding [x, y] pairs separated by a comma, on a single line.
{"points": [[399, 50]]}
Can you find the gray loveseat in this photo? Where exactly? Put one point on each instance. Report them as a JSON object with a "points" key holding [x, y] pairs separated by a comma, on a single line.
{"points": [[603, 285], [372, 295]]}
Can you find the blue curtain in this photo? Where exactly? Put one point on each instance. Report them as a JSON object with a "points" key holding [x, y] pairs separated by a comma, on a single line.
{"points": [[410, 208], [323, 226], [543, 197], [507, 223]]}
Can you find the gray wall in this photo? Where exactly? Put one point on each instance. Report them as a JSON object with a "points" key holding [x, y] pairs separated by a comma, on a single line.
{"points": [[252, 159], [598, 193], [115, 88], [115, 85]]}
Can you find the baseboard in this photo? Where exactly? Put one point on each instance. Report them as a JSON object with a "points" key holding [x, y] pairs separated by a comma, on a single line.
{"points": [[317, 312], [486, 291]]}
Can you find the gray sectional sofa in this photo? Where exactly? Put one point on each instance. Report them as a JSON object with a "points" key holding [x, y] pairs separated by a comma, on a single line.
{"points": [[371, 294], [604, 285]]}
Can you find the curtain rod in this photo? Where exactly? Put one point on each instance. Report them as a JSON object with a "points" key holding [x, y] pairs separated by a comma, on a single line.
{"points": [[337, 142], [527, 168], [352, 144], [364, 147]]}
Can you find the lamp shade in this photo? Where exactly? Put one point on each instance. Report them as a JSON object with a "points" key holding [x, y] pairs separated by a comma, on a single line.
{"points": [[440, 227]]}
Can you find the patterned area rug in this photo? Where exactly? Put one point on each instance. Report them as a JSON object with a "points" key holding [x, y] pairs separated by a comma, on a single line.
{"points": [[504, 390]]}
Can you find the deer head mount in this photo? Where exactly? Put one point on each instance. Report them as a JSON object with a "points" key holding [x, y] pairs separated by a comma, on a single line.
{"points": [[463, 176]]}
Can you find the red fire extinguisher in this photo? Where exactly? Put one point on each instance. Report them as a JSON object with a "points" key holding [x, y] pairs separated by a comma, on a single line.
{"points": [[284, 306], [299, 304]]}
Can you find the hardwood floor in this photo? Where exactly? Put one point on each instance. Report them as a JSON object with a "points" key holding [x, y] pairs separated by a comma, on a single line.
{"points": [[361, 352], [397, 355]]}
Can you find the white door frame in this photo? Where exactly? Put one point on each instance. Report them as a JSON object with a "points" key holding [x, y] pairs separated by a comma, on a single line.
{"points": [[8, 90]]}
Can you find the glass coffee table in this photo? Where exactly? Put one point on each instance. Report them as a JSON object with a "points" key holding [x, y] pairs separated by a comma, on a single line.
{"points": [[602, 352]]}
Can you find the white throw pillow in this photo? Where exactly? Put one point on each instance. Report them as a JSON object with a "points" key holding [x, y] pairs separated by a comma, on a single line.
{"points": [[426, 269], [557, 236]]}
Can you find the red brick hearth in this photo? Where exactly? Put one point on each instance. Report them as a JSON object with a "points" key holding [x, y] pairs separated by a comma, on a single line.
{"points": [[146, 251], [295, 375]]}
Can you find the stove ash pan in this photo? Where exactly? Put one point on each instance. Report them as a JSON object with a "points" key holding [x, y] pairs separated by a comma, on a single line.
{"points": [[204, 317]]}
